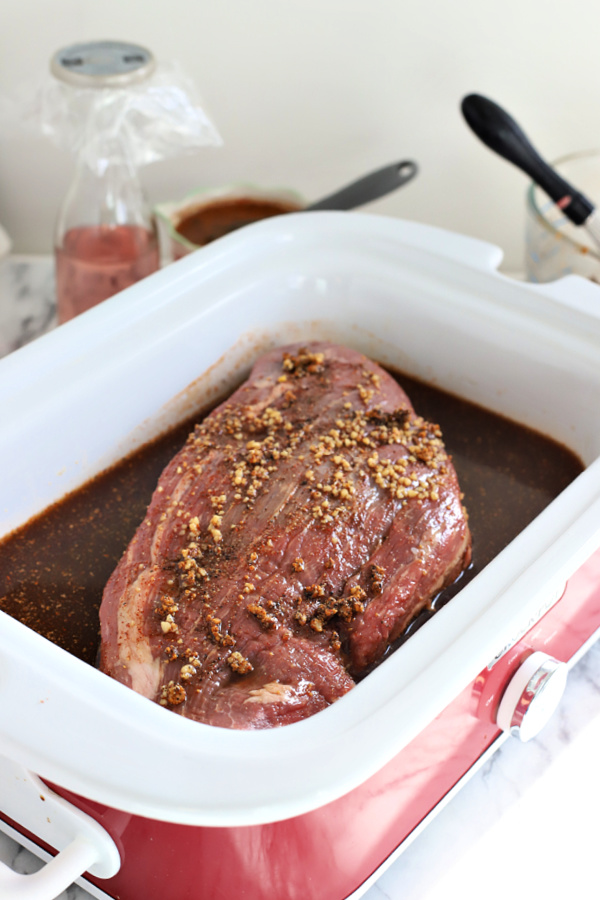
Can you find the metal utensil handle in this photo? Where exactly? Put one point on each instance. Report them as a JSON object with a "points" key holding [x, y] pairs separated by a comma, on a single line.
{"points": [[499, 131], [370, 187], [83, 844]]}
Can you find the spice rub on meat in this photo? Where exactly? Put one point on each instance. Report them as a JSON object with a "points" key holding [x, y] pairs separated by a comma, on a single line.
{"points": [[304, 524]]}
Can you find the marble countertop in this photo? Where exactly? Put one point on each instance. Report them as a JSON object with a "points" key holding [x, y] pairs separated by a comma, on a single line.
{"points": [[520, 824], [27, 300]]}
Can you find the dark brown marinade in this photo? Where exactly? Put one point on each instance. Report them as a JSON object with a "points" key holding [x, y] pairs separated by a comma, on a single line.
{"points": [[53, 569]]}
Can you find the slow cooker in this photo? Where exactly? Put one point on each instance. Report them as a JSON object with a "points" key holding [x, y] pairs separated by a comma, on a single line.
{"points": [[137, 802]]}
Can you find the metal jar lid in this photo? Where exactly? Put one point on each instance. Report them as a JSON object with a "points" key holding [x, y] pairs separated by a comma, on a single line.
{"points": [[102, 64]]}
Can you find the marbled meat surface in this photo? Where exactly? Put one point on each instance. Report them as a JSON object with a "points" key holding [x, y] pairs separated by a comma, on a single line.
{"points": [[303, 525]]}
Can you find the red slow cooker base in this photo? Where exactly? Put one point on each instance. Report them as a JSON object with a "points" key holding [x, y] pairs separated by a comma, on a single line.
{"points": [[329, 853]]}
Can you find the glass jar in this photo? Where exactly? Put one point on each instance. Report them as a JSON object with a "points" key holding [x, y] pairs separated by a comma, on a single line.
{"points": [[554, 246], [105, 237]]}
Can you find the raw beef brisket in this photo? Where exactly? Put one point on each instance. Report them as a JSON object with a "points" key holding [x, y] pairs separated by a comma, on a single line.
{"points": [[303, 525]]}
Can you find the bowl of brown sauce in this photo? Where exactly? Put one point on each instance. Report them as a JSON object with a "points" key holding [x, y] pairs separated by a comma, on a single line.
{"points": [[206, 215]]}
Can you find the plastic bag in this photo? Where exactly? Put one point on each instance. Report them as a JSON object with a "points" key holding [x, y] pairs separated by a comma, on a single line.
{"points": [[156, 119]]}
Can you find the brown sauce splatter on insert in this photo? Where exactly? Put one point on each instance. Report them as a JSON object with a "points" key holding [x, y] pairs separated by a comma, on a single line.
{"points": [[53, 570]]}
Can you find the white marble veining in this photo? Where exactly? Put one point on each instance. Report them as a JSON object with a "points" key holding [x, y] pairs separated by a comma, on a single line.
{"points": [[516, 825], [27, 300]]}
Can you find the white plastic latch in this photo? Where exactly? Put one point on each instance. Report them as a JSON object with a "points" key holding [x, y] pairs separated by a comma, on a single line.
{"points": [[83, 844], [532, 696]]}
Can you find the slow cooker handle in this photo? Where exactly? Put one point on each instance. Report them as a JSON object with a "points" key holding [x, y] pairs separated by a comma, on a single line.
{"points": [[54, 878], [83, 844]]}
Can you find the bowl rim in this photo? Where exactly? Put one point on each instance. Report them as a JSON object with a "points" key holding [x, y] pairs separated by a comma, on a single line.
{"points": [[170, 213]]}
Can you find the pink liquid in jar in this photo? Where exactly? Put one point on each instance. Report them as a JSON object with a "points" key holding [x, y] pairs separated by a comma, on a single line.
{"points": [[96, 262]]}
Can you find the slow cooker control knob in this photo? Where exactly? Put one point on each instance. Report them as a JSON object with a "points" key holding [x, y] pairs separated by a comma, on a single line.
{"points": [[532, 696]]}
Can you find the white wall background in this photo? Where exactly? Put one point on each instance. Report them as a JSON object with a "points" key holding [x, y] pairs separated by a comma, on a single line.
{"points": [[312, 93]]}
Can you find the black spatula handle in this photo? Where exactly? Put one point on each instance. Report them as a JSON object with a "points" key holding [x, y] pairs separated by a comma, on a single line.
{"points": [[500, 133], [369, 187]]}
